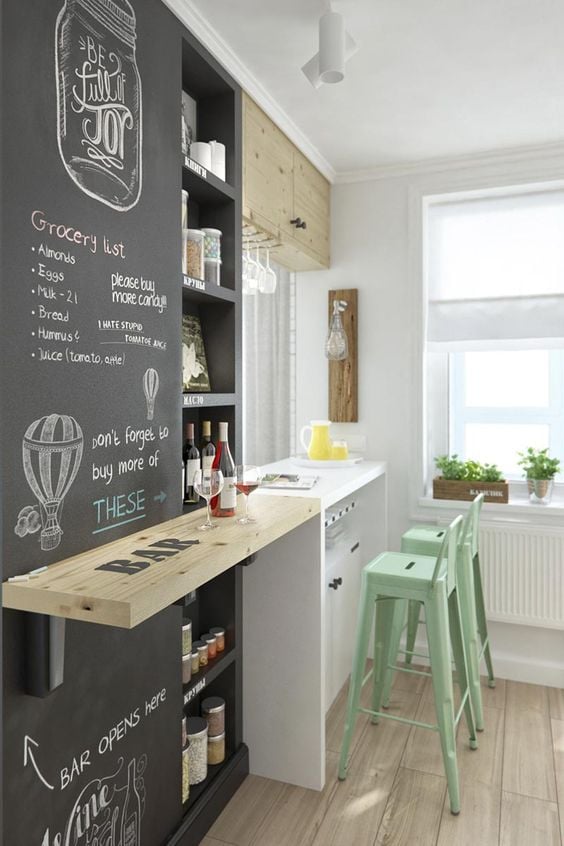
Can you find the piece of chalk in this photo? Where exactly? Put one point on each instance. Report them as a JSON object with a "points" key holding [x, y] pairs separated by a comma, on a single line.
{"points": [[37, 571], [18, 578]]}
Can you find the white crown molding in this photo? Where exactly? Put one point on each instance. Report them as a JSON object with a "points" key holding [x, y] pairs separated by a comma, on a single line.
{"points": [[204, 32], [506, 156]]}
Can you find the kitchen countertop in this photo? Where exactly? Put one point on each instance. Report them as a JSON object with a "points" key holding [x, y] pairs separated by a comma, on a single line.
{"points": [[333, 484]]}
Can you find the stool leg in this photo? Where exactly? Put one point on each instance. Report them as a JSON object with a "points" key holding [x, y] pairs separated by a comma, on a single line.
{"points": [[359, 664], [413, 614], [392, 629], [436, 615], [460, 660], [467, 606], [481, 618]]}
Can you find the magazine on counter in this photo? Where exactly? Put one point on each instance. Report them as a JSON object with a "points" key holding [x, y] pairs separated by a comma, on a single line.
{"points": [[288, 481]]}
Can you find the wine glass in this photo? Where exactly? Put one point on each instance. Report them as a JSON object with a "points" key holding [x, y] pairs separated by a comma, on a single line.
{"points": [[207, 484], [267, 283], [247, 480]]}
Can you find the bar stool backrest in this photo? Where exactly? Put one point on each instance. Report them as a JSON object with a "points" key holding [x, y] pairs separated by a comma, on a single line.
{"points": [[446, 559], [470, 532]]}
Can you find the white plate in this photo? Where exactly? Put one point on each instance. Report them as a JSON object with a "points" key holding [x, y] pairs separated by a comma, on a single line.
{"points": [[329, 464]]}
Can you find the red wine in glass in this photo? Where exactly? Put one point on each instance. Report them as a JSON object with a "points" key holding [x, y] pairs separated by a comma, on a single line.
{"points": [[247, 480]]}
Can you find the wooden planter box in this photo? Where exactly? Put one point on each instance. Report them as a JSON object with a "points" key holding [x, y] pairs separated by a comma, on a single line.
{"points": [[451, 489]]}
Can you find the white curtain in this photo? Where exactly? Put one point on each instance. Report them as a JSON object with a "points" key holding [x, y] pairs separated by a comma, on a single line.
{"points": [[268, 378], [495, 271]]}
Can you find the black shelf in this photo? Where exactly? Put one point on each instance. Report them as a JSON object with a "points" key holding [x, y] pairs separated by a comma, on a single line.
{"points": [[203, 186], [201, 291], [208, 674], [207, 400]]}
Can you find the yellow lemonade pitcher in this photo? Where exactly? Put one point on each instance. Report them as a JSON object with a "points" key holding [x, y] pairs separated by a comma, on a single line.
{"points": [[320, 447]]}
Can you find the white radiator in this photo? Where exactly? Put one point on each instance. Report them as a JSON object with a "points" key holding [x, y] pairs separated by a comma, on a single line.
{"points": [[523, 574]]}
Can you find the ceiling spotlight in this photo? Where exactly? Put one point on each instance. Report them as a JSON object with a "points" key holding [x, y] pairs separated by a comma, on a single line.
{"points": [[335, 49]]}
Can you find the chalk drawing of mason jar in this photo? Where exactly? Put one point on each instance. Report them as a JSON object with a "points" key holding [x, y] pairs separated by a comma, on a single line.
{"points": [[99, 102]]}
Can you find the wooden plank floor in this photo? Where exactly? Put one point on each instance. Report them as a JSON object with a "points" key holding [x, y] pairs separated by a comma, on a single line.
{"points": [[512, 787]]}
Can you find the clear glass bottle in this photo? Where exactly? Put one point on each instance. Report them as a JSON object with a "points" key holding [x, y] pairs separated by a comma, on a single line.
{"points": [[99, 100], [336, 346]]}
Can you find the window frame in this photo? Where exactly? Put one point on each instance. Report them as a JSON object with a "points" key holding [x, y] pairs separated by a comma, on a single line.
{"points": [[425, 187]]}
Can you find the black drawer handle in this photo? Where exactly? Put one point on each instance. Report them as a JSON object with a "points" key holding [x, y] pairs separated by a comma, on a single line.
{"points": [[355, 547], [336, 583]]}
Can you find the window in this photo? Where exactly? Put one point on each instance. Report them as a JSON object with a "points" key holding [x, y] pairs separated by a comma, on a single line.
{"points": [[495, 325]]}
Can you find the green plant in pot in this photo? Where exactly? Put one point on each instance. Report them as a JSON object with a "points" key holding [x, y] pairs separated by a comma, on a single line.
{"points": [[539, 469]]}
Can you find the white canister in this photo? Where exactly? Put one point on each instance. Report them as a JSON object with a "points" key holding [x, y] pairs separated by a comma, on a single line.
{"points": [[201, 152], [218, 159]]}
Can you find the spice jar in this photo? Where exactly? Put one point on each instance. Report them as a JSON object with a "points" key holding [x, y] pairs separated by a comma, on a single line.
{"points": [[202, 652], [213, 711], [187, 638], [186, 668], [219, 636], [194, 240], [99, 99], [186, 772], [195, 659], [216, 749], [211, 641], [197, 729]]}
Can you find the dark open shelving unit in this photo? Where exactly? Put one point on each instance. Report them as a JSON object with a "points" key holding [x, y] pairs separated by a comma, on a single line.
{"points": [[218, 204]]}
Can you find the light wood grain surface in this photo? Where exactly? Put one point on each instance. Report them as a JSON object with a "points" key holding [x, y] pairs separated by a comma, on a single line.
{"points": [[343, 375], [76, 589], [395, 794]]}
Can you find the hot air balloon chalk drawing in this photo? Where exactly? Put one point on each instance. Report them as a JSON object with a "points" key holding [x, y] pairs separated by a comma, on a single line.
{"points": [[150, 389], [51, 451]]}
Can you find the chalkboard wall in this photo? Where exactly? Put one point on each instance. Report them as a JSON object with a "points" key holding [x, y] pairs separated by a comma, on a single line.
{"points": [[90, 387]]}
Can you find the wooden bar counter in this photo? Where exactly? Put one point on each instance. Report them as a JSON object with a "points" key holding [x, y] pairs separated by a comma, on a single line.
{"points": [[128, 581]]}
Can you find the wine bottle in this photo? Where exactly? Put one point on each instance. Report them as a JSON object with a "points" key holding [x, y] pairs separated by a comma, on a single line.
{"points": [[207, 448], [224, 505], [131, 813], [191, 461]]}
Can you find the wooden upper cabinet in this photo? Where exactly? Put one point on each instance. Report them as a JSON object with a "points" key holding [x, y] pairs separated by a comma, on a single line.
{"points": [[279, 185]]}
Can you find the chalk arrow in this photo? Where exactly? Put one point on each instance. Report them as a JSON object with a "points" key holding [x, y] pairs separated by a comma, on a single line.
{"points": [[160, 497], [28, 756]]}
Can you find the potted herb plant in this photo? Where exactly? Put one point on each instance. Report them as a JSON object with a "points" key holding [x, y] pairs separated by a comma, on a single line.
{"points": [[539, 469], [465, 479]]}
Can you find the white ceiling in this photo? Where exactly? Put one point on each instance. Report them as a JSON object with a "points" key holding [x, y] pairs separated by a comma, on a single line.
{"points": [[431, 79]]}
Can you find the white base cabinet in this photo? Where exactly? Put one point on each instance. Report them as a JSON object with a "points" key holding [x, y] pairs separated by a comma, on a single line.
{"points": [[298, 632]]}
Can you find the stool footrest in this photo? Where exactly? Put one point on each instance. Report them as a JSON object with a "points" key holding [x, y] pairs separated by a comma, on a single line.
{"points": [[461, 709], [399, 719], [408, 670]]}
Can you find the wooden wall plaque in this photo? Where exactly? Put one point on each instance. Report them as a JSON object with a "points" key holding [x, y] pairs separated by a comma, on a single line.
{"points": [[343, 375]]}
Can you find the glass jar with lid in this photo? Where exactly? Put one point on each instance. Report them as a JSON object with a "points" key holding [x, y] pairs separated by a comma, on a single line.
{"points": [[213, 711], [197, 730]]}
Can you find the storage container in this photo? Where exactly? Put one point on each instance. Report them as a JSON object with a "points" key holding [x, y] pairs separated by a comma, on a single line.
{"points": [[212, 243], [216, 749], [194, 251], [197, 730], [195, 659], [186, 668], [202, 652], [186, 772], [213, 711], [219, 633], [211, 641], [212, 271], [187, 637]]}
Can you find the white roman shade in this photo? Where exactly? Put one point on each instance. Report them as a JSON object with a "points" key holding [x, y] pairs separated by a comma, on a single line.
{"points": [[495, 271]]}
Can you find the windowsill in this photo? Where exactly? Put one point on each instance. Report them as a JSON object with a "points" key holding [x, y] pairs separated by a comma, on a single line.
{"points": [[518, 510]]}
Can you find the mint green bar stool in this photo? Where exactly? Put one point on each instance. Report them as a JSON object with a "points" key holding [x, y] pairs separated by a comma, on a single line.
{"points": [[426, 540], [388, 582]]}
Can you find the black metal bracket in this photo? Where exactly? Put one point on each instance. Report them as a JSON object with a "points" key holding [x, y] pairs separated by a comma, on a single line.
{"points": [[336, 583], [299, 223], [44, 654], [246, 562]]}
